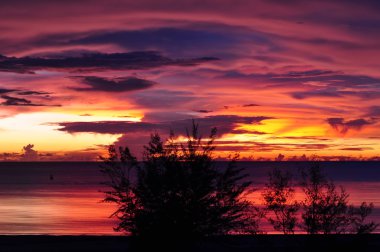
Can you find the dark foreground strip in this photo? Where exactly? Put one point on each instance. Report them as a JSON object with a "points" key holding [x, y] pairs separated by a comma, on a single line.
{"points": [[294, 243]]}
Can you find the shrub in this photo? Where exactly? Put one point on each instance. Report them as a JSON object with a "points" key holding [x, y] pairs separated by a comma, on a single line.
{"points": [[177, 190]]}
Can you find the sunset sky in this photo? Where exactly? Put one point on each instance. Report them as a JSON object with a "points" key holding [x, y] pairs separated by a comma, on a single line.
{"points": [[279, 79]]}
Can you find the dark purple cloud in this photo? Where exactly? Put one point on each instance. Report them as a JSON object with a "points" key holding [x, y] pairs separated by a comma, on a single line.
{"points": [[374, 111], [224, 124], [159, 116], [15, 101], [313, 83], [188, 40], [10, 98], [33, 93], [306, 75], [355, 149], [106, 127], [334, 92], [95, 62], [255, 132], [124, 84], [204, 111], [22, 92], [250, 105], [330, 79], [268, 147], [163, 99], [172, 41], [315, 93], [313, 138], [342, 126], [6, 90]]}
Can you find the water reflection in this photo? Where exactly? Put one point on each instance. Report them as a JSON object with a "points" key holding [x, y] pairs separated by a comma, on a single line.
{"points": [[33, 203], [55, 210]]}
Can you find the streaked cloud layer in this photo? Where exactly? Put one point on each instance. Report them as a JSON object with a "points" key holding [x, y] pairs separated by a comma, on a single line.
{"points": [[278, 78]]}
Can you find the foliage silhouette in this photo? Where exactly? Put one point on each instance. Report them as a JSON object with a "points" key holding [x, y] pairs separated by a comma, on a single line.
{"points": [[279, 199], [358, 219], [326, 209], [324, 206], [177, 191]]}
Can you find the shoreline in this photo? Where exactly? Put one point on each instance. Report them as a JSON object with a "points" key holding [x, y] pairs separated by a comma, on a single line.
{"points": [[271, 242]]}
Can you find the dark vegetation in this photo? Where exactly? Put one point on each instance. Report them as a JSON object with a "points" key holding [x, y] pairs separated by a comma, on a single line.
{"points": [[178, 192], [325, 209], [279, 199], [232, 243]]}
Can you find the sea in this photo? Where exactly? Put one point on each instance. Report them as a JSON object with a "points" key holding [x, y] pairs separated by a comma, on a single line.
{"points": [[65, 198]]}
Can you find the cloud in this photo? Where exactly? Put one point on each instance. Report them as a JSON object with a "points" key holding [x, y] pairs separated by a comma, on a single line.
{"points": [[355, 149], [373, 111], [10, 98], [23, 92], [334, 93], [324, 78], [163, 99], [311, 83], [307, 106], [171, 40], [166, 116], [5, 90], [307, 75], [342, 126], [204, 111], [106, 127], [313, 138], [29, 154], [242, 131], [95, 62], [33, 93], [250, 105], [136, 134], [268, 147], [16, 101], [280, 157], [185, 40], [125, 84], [224, 124], [316, 93], [277, 53]]}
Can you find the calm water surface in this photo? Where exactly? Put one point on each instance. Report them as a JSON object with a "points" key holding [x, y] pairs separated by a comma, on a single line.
{"points": [[65, 198]]}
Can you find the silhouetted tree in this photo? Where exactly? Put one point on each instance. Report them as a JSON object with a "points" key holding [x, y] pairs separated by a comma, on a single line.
{"points": [[325, 208], [279, 199], [177, 190], [358, 219]]}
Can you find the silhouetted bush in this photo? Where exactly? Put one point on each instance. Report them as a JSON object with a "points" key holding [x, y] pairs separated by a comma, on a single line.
{"points": [[358, 219], [177, 190], [324, 206], [326, 209], [279, 200]]}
